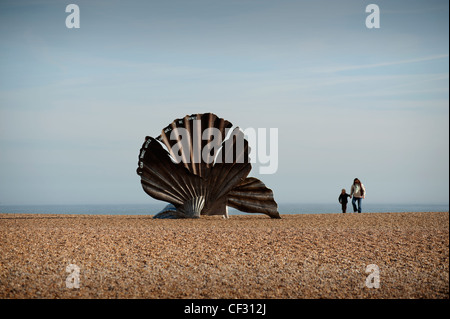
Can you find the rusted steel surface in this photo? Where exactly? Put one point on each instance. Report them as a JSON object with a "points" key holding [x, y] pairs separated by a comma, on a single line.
{"points": [[252, 196]]}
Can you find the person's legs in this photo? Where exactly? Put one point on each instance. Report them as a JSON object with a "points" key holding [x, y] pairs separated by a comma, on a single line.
{"points": [[359, 204], [344, 207], [354, 204]]}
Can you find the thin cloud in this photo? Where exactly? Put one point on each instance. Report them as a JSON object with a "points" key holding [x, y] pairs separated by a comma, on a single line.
{"points": [[376, 65]]}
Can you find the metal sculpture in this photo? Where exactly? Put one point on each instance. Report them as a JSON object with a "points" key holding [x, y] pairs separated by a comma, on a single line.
{"points": [[200, 172]]}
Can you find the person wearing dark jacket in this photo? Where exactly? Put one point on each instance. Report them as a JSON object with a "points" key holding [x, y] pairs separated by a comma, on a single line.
{"points": [[343, 200]]}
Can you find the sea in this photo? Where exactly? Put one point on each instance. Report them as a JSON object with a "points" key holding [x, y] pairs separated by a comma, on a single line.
{"points": [[152, 209]]}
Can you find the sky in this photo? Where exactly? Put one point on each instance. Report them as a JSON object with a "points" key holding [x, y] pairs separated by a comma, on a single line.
{"points": [[348, 101]]}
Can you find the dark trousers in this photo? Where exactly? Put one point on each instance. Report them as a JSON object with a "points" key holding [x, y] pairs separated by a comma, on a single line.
{"points": [[344, 207], [354, 200]]}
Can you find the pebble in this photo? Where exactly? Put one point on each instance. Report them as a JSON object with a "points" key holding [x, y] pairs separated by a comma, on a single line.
{"points": [[246, 256]]}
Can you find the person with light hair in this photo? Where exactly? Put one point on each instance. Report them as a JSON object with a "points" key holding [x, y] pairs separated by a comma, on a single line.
{"points": [[358, 191]]}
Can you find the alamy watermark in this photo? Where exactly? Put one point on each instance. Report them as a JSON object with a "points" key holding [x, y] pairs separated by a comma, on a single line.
{"points": [[73, 19], [263, 149], [373, 279], [373, 19], [262, 146], [73, 279], [333, 274]]}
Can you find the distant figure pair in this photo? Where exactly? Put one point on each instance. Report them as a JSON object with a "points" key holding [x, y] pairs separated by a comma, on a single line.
{"points": [[357, 191]]}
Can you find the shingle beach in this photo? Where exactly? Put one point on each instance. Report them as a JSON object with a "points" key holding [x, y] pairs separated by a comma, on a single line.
{"points": [[246, 256]]}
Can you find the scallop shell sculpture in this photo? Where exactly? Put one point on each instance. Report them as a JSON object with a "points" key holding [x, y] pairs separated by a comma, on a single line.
{"points": [[194, 168]]}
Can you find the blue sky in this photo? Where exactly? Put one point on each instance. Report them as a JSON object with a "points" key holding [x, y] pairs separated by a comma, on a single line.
{"points": [[348, 101]]}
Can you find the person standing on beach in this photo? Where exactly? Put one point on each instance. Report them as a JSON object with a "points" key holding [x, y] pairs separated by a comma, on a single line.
{"points": [[358, 192], [343, 200]]}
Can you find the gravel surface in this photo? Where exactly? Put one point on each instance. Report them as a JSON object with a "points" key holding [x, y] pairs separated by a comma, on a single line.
{"points": [[247, 256]]}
